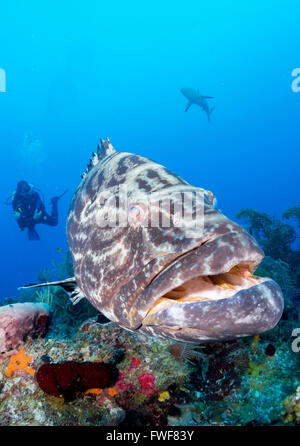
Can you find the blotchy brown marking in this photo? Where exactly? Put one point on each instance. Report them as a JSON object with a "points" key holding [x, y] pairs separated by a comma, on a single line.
{"points": [[152, 174], [143, 185]]}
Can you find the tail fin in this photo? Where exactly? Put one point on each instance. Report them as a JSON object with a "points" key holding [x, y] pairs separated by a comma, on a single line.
{"points": [[210, 112]]}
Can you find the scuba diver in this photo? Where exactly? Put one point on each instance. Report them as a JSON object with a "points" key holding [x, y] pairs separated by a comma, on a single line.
{"points": [[29, 209]]}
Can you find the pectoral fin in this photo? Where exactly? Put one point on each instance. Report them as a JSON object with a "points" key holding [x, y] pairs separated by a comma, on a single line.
{"points": [[69, 285], [188, 105], [207, 97]]}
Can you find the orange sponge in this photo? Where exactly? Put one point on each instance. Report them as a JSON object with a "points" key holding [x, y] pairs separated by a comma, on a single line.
{"points": [[19, 362]]}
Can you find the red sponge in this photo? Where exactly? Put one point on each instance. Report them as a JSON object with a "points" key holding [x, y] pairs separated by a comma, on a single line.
{"points": [[70, 377]]}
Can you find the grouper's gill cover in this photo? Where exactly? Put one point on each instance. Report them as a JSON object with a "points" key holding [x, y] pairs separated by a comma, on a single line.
{"points": [[161, 280]]}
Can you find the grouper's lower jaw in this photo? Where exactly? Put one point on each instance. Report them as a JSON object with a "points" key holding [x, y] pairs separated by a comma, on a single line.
{"points": [[247, 312]]}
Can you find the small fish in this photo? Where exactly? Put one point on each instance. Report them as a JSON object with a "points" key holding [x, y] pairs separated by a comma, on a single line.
{"points": [[164, 281], [58, 249], [194, 97]]}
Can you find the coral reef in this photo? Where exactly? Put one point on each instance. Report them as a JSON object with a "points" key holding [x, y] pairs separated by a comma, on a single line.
{"points": [[17, 321], [291, 412], [280, 272], [277, 238], [293, 213], [234, 383], [141, 381], [280, 242]]}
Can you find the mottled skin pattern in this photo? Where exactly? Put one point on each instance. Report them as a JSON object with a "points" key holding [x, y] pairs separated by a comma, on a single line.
{"points": [[126, 272]]}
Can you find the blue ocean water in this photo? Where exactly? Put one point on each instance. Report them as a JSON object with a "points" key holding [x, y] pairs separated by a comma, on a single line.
{"points": [[77, 71]]}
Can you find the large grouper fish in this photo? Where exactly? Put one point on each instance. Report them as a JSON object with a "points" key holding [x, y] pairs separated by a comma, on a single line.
{"points": [[170, 281]]}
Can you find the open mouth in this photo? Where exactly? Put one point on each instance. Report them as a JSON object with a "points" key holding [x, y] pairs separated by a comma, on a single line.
{"points": [[210, 288], [214, 287], [210, 293]]}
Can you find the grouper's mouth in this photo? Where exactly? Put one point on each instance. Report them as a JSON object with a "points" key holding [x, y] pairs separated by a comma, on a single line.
{"points": [[203, 279], [210, 288], [211, 293]]}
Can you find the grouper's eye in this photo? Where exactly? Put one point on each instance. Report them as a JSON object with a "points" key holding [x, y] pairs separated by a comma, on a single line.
{"points": [[137, 213]]}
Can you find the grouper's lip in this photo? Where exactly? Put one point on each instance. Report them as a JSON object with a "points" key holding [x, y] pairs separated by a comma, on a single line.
{"points": [[248, 312]]}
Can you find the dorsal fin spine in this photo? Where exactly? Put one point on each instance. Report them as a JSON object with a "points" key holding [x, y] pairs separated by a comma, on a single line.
{"points": [[103, 150]]}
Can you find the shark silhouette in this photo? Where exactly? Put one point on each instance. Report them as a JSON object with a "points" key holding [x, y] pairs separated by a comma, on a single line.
{"points": [[194, 97]]}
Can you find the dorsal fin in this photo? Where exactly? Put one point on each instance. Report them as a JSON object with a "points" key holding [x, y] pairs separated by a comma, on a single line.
{"points": [[105, 149]]}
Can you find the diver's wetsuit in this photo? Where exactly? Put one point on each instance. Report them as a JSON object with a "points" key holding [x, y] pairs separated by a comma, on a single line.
{"points": [[27, 205]]}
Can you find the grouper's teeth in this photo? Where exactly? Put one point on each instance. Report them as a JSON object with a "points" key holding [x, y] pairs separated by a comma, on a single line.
{"points": [[226, 286]]}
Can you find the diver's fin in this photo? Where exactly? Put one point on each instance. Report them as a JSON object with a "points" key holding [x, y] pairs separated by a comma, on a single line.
{"points": [[188, 105], [69, 285], [32, 234], [55, 199], [207, 97], [61, 195], [105, 149]]}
